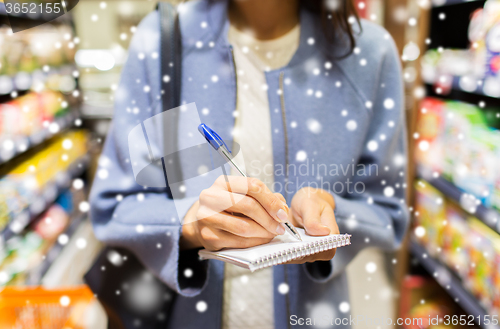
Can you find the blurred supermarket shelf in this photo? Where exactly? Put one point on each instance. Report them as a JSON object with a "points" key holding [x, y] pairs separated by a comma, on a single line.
{"points": [[101, 111], [20, 144], [452, 284], [440, 3], [23, 81], [465, 83], [37, 273], [75, 258], [468, 202], [46, 197], [465, 88]]}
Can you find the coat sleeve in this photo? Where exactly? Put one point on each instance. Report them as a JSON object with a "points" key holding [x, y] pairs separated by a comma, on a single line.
{"points": [[143, 220], [377, 216]]}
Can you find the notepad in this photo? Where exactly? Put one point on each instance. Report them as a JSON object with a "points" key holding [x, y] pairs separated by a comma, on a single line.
{"points": [[281, 249]]}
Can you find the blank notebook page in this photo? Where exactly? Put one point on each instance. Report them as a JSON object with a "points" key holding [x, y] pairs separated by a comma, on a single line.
{"points": [[281, 249]]}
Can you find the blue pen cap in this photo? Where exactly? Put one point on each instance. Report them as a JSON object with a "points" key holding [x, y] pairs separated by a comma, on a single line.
{"points": [[212, 137]]}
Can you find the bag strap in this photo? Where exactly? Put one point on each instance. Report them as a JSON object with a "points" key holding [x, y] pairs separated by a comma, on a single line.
{"points": [[171, 55], [171, 63]]}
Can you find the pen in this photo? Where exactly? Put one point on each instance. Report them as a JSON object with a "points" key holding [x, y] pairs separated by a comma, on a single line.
{"points": [[220, 146]]}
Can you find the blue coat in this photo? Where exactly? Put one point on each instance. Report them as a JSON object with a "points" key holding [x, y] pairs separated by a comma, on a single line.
{"points": [[358, 103]]}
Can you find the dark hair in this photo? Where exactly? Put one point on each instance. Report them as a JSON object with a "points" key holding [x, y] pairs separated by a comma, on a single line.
{"points": [[335, 21]]}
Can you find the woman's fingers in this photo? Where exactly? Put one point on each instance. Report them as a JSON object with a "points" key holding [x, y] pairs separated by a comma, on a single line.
{"points": [[249, 207], [237, 225], [258, 190], [219, 200], [328, 219], [311, 213], [215, 239]]}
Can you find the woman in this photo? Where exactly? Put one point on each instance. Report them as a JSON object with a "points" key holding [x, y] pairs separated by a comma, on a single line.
{"points": [[314, 98]]}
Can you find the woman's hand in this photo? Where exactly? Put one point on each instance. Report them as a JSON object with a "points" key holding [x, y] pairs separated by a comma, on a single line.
{"points": [[238, 213], [312, 209]]}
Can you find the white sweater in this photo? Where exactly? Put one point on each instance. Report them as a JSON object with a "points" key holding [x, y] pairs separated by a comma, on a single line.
{"points": [[248, 297]]}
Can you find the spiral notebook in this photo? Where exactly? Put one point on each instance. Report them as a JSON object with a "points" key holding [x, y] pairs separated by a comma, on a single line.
{"points": [[281, 249]]}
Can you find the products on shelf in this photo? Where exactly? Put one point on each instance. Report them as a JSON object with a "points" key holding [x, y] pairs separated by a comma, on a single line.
{"points": [[31, 50], [27, 115], [484, 34], [425, 303], [24, 252], [441, 65], [466, 245], [476, 67], [455, 140], [22, 186], [429, 310]]}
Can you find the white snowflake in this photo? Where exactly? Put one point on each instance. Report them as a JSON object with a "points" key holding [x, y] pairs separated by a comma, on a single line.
{"points": [[351, 125], [202, 170], [399, 160], [64, 301], [201, 306], [314, 126], [322, 311], [370, 267], [188, 272], [63, 239], [283, 288], [301, 156], [78, 184], [420, 231], [372, 146], [389, 103], [344, 307], [423, 145], [84, 206], [389, 191], [81, 243]]}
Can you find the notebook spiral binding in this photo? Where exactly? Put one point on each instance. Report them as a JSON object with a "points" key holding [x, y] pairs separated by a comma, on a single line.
{"points": [[298, 252]]}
